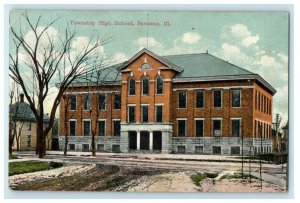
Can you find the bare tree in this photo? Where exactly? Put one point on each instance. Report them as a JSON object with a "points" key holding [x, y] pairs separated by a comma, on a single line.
{"points": [[46, 61]]}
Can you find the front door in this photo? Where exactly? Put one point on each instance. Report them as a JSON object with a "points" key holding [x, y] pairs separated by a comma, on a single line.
{"points": [[144, 140]]}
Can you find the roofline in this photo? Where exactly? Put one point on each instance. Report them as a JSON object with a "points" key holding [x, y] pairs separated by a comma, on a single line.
{"points": [[226, 78], [164, 61]]}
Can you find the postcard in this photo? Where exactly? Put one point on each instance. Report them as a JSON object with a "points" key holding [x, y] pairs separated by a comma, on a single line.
{"points": [[148, 101]]}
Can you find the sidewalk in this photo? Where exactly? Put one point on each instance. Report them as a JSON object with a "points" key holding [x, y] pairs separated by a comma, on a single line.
{"points": [[271, 179]]}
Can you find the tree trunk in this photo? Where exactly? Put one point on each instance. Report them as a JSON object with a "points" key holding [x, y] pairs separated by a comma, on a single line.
{"points": [[18, 143], [10, 145], [66, 145], [93, 145]]}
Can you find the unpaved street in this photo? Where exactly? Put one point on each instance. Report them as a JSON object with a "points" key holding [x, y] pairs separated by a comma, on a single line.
{"points": [[146, 173]]}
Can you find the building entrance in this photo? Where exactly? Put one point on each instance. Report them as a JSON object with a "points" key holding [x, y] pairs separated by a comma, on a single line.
{"points": [[132, 140], [144, 140], [157, 139]]}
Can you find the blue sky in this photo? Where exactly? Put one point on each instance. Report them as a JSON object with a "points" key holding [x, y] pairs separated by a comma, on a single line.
{"points": [[256, 41]]}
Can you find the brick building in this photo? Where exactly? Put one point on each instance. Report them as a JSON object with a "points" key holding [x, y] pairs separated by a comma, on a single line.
{"points": [[191, 103]]}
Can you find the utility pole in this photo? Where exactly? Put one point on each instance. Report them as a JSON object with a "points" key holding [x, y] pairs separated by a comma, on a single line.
{"points": [[260, 156], [242, 150]]}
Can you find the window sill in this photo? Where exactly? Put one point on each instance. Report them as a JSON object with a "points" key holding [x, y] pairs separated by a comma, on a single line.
{"points": [[236, 107], [200, 108], [159, 94]]}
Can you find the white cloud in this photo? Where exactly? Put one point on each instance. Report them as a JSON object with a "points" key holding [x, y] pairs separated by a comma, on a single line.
{"points": [[153, 44], [190, 37], [240, 34], [80, 43], [118, 58], [230, 50], [50, 35], [266, 61], [283, 57]]}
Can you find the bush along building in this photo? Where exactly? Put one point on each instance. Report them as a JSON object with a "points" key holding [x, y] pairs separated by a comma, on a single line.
{"points": [[189, 103]]}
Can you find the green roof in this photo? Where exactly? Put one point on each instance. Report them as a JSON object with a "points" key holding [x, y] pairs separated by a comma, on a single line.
{"points": [[204, 65], [21, 111], [201, 66]]}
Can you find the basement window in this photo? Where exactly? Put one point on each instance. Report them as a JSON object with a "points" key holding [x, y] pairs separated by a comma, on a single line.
{"points": [[72, 147], [85, 147], [216, 149]]}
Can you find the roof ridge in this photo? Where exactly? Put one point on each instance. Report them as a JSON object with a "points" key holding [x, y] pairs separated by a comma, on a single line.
{"points": [[184, 54]]}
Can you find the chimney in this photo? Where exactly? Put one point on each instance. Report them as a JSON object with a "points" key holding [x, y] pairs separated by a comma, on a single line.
{"points": [[22, 97]]}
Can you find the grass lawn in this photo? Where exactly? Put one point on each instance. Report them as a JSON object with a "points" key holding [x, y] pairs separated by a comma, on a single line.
{"points": [[30, 166], [12, 157]]}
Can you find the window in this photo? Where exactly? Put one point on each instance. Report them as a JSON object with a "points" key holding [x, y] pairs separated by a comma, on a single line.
{"points": [[235, 128], [73, 102], [182, 100], [199, 128], [72, 147], [102, 101], [28, 140], [235, 150], [216, 149], [117, 127], [101, 127], [145, 114], [145, 82], [199, 149], [217, 128], [181, 149], [200, 99], [131, 86], [85, 147], [159, 112], [86, 128], [72, 128], [217, 98], [87, 101], [29, 126], [236, 98], [100, 147], [159, 85], [181, 128], [131, 114], [117, 101], [116, 148]]}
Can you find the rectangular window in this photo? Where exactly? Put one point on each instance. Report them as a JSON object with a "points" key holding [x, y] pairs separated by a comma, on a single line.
{"points": [[73, 102], [236, 98], [199, 149], [72, 128], [235, 150], [101, 128], [117, 101], [28, 140], [181, 149], [217, 128], [102, 102], [86, 128], [182, 100], [85, 147], [217, 98], [159, 113], [100, 147], [199, 128], [145, 114], [72, 147], [87, 101], [200, 99], [117, 127], [131, 113], [235, 128], [216, 149], [181, 128]]}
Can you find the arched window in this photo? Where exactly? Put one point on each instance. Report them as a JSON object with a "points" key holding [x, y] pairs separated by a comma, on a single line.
{"points": [[131, 86], [145, 83], [159, 85]]}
